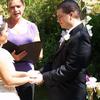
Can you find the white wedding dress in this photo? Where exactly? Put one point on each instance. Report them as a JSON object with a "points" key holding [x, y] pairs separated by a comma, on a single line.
{"points": [[5, 93]]}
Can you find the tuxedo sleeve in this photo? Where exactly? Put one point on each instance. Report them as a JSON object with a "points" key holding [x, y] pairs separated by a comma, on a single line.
{"points": [[75, 60]]}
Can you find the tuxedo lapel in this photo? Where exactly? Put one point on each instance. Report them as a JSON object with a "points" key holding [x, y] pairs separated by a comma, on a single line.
{"points": [[68, 41], [62, 45], [73, 34]]}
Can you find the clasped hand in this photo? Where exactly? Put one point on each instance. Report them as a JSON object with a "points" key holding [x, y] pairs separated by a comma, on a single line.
{"points": [[36, 76]]}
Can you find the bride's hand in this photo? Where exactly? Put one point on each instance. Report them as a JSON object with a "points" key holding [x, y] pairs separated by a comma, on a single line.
{"points": [[33, 73]]}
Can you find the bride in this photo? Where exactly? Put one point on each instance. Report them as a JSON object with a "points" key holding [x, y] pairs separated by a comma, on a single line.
{"points": [[9, 78]]}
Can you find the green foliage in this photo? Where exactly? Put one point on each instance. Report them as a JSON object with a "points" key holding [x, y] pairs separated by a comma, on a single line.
{"points": [[95, 22], [41, 12], [96, 9], [3, 9]]}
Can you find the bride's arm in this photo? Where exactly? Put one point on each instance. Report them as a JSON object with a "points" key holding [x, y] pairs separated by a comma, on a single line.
{"points": [[16, 79], [20, 74]]}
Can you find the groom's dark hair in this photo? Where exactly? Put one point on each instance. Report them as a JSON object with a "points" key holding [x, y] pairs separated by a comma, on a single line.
{"points": [[70, 6]]}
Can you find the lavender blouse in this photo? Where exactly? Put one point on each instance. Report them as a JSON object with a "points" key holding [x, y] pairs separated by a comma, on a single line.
{"points": [[24, 32]]}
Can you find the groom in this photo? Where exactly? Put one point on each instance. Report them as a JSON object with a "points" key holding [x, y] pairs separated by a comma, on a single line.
{"points": [[64, 75]]}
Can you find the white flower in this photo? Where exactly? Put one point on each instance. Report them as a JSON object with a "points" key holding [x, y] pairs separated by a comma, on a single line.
{"points": [[67, 36], [1, 19], [88, 18], [89, 9], [91, 83], [89, 27]]}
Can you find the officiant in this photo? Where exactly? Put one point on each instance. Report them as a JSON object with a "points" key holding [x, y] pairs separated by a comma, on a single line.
{"points": [[21, 31]]}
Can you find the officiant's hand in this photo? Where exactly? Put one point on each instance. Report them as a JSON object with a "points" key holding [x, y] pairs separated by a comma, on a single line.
{"points": [[19, 56]]}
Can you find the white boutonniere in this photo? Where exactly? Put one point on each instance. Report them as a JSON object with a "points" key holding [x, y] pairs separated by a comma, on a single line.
{"points": [[67, 36]]}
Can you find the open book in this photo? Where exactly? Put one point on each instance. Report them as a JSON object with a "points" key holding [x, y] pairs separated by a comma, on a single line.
{"points": [[33, 49]]}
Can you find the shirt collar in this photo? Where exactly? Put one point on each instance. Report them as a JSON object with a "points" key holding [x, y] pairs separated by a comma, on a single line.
{"points": [[78, 23]]}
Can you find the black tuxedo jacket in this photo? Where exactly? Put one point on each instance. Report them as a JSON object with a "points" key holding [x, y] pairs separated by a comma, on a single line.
{"points": [[67, 68]]}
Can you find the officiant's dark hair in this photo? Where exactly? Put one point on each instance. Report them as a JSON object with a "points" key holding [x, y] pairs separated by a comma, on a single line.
{"points": [[70, 6]]}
